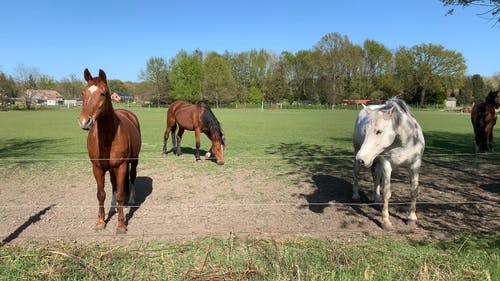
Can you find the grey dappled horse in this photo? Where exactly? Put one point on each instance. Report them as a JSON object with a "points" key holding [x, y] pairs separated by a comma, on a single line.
{"points": [[386, 136]]}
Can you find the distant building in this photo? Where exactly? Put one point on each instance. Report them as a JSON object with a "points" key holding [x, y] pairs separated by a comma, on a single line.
{"points": [[46, 97], [450, 102], [122, 97]]}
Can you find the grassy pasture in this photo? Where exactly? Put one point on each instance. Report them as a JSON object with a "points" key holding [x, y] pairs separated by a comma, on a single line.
{"points": [[51, 142]]}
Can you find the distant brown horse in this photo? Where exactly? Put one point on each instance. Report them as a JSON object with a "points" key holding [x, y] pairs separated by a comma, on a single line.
{"points": [[484, 118], [113, 144], [198, 118]]}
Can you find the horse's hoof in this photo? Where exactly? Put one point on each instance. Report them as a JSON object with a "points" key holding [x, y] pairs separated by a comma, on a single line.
{"points": [[120, 230], [356, 198], [387, 226], [198, 159], [411, 223], [163, 155], [100, 226]]}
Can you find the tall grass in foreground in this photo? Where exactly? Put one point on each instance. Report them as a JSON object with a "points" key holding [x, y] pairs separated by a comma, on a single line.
{"points": [[465, 258]]}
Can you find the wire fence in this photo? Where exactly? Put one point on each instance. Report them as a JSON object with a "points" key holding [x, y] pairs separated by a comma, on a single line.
{"points": [[223, 204]]}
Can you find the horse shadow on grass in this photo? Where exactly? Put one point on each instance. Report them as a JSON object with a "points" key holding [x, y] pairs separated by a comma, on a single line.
{"points": [[143, 188]]}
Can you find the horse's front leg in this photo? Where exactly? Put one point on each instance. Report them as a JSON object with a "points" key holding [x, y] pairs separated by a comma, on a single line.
{"points": [[101, 196], [197, 133], [377, 172], [412, 216], [386, 187], [120, 173]]}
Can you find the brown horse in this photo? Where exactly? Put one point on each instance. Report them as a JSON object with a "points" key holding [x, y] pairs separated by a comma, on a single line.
{"points": [[113, 144], [484, 118], [198, 118]]}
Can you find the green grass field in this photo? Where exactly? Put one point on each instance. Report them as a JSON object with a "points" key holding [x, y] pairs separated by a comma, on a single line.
{"points": [[32, 141]]}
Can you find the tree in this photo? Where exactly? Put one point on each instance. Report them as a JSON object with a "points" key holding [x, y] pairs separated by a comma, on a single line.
{"points": [[377, 63], [425, 68], [156, 73], [186, 77], [71, 87], [492, 7], [478, 88], [218, 83], [8, 90]]}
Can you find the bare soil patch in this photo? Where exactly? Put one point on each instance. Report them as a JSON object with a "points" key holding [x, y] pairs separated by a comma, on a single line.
{"points": [[303, 198]]}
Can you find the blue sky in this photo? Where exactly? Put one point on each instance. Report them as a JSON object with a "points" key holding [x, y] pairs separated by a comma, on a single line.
{"points": [[63, 37]]}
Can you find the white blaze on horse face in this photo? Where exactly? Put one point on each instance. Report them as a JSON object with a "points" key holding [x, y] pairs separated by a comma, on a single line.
{"points": [[92, 89], [379, 134]]}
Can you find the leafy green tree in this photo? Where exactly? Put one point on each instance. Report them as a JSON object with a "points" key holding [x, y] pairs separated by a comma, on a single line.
{"points": [[377, 63], [254, 95], [71, 87], [156, 73], [478, 88], [218, 84], [426, 67], [186, 77]]}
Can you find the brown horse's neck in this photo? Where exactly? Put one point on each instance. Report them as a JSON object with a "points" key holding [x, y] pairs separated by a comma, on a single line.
{"points": [[107, 124]]}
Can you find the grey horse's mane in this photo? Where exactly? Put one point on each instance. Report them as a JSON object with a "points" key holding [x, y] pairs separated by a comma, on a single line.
{"points": [[400, 108]]}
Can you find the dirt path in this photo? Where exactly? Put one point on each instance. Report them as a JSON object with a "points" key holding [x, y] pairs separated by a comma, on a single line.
{"points": [[309, 199]]}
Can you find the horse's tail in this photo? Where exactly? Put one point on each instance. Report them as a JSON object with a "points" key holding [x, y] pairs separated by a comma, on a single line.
{"points": [[172, 135], [209, 121]]}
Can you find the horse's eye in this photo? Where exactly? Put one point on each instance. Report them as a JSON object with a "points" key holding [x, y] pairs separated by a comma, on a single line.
{"points": [[378, 132]]}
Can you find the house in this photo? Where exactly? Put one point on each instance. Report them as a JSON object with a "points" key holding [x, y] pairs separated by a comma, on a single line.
{"points": [[450, 102], [118, 96], [47, 97]]}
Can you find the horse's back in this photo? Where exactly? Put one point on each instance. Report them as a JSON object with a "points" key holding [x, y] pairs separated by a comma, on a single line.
{"points": [[186, 114], [130, 124]]}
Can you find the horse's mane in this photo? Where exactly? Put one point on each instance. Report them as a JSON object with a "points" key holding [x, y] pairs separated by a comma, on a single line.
{"points": [[399, 107], [208, 119], [492, 99]]}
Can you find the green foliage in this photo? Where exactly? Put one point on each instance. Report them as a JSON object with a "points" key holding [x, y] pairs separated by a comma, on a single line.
{"points": [[186, 78], [254, 95]]}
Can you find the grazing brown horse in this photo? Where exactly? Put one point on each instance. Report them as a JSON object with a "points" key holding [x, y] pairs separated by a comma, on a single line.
{"points": [[198, 118], [484, 118], [113, 144]]}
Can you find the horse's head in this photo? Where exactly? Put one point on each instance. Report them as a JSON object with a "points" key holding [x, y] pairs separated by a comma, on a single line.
{"points": [[218, 147], [379, 135], [96, 99], [492, 99]]}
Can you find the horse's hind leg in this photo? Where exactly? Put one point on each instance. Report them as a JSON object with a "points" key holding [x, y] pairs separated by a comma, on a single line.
{"points": [[412, 216], [197, 133], [165, 139], [178, 140], [133, 176]]}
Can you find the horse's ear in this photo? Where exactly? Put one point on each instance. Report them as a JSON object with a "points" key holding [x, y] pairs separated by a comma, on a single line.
{"points": [[87, 75], [388, 113], [367, 109], [102, 75]]}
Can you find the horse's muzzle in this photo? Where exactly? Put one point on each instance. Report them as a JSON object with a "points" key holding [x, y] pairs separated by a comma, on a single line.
{"points": [[86, 123]]}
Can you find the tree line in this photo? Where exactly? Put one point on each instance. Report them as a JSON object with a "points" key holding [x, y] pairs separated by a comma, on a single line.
{"points": [[333, 71]]}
